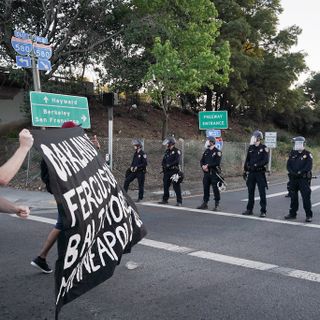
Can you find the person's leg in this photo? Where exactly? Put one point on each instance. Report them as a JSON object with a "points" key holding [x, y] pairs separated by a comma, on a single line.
{"points": [[261, 182], [216, 191], [206, 191], [128, 180], [166, 186], [251, 184], [177, 190], [141, 178], [50, 241], [305, 190], [294, 203]]}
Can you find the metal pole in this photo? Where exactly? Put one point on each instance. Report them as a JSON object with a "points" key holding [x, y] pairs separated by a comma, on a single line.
{"points": [[35, 74], [110, 134], [270, 160]]}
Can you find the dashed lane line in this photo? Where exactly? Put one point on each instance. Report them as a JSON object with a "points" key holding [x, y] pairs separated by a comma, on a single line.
{"points": [[216, 257], [272, 195]]}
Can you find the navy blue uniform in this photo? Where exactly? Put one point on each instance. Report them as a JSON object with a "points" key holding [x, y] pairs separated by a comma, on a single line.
{"points": [[299, 166], [170, 166], [137, 170], [212, 158], [257, 159]]}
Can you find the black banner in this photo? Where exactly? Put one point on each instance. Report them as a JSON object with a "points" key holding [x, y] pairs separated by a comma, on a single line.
{"points": [[100, 222]]}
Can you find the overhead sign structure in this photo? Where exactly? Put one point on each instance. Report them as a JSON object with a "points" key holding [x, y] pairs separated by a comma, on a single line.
{"points": [[213, 120], [270, 139], [23, 62], [22, 46], [52, 110]]}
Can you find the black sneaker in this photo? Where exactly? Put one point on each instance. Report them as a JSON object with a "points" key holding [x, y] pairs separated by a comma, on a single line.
{"points": [[247, 213], [308, 219], [263, 214], [290, 216], [41, 264], [203, 206], [178, 204], [163, 202]]}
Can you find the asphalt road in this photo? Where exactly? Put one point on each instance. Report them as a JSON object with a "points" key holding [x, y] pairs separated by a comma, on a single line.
{"points": [[194, 264]]}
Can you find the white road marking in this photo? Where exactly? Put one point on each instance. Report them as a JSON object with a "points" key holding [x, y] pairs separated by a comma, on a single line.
{"points": [[316, 204], [217, 257], [272, 195], [231, 215]]}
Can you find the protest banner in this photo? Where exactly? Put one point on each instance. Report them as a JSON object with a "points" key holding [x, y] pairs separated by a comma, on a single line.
{"points": [[100, 221]]}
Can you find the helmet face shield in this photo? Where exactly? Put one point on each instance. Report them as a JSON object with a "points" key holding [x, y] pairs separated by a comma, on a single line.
{"points": [[298, 143], [136, 142], [169, 141], [256, 136]]}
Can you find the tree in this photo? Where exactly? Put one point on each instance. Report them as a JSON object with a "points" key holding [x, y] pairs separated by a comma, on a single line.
{"points": [[77, 30], [183, 55], [263, 68]]}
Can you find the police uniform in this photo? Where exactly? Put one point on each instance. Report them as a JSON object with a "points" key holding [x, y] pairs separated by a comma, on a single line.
{"points": [[256, 160], [137, 170], [170, 166], [212, 158], [299, 166]]}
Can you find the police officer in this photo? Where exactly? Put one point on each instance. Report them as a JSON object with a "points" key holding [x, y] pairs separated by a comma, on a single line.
{"points": [[254, 170], [170, 167], [137, 169], [210, 164], [299, 166]]}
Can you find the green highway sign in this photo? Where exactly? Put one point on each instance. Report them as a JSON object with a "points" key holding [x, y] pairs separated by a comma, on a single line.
{"points": [[213, 120], [52, 110]]}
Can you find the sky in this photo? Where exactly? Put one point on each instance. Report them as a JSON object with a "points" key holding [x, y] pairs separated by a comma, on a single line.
{"points": [[304, 14]]}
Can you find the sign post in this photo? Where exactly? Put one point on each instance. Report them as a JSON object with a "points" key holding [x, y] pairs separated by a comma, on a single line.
{"points": [[271, 142]]}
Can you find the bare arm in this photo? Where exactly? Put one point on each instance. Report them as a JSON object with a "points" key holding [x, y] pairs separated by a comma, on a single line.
{"points": [[10, 207], [11, 167]]}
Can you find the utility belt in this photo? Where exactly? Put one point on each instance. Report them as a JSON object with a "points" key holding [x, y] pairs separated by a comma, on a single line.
{"points": [[257, 169], [304, 175], [142, 169], [172, 168], [212, 170]]}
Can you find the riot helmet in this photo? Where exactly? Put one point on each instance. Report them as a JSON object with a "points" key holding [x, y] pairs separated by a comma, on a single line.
{"points": [[170, 141], [256, 137], [298, 143], [211, 139], [137, 143]]}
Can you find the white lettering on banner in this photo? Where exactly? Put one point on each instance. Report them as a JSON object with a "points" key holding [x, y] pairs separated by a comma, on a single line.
{"points": [[98, 210]]}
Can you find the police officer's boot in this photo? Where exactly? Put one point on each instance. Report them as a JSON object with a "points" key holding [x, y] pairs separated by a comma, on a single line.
{"points": [[203, 206], [263, 214], [216, 207]]}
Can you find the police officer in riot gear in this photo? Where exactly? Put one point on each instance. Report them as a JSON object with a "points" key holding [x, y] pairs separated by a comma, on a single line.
{"points": [[170, 167], [210, 164], [137, 169], [299, 166], [254, 171]]}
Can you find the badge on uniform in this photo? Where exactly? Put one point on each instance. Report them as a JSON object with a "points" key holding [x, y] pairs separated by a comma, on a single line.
{"points": [[304, 156], [139, 156], [172, 152]]}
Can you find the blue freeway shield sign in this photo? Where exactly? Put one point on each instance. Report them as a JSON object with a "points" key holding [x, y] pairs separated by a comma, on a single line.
{"points": [[52, 110], [23, 62], [44, 64], [22, 46], [42, 51]]}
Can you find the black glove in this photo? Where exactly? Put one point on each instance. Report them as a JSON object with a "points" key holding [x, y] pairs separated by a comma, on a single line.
{"points": [[245, 175]]}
